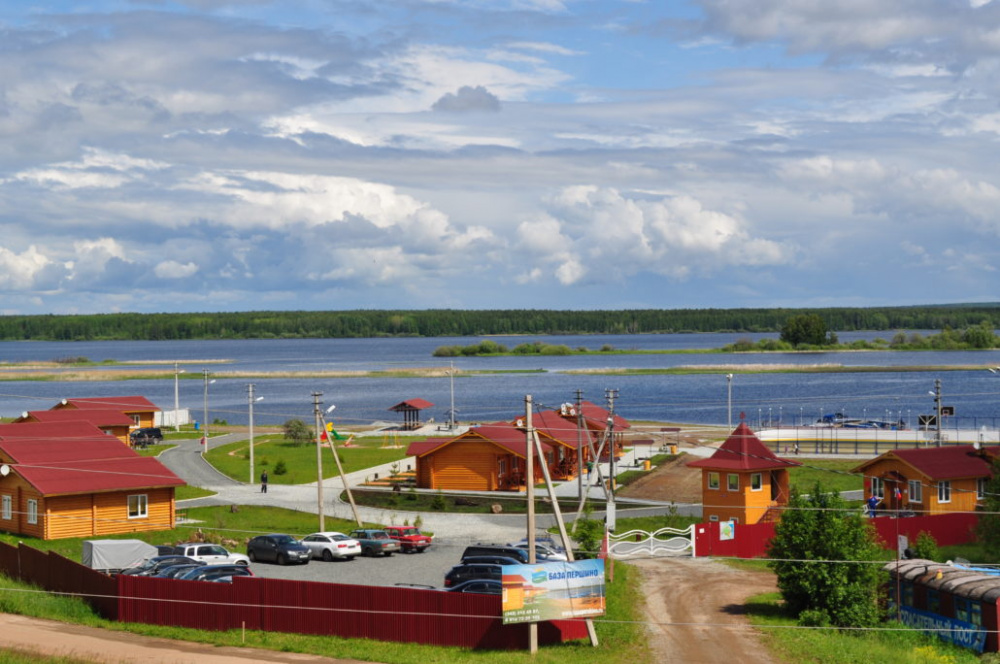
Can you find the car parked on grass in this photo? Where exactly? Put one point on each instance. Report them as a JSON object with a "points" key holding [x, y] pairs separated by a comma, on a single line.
{"points": [[146, 436], [410, 539], [210, 554], [471, 571], [278, 548], [375, 542], [332, 546], [151, 566]]}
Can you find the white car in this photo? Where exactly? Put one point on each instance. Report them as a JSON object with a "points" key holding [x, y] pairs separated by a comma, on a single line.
{"points": [[211, 554], [332, 545], [545, 551]]}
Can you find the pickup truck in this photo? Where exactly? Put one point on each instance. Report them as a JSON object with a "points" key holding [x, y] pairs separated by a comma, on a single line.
{"points": [[410, 538], [210, 554], [375, 542]]}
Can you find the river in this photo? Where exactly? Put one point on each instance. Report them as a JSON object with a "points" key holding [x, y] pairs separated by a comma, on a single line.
{"points": [[771, 398]]}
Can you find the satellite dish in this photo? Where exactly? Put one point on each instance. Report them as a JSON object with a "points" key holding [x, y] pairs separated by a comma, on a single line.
{"points": [[24, 414], [976, 445], [4, 470]]}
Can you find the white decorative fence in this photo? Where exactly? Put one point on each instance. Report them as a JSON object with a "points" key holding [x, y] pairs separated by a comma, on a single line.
{"points": [[663, 542]]}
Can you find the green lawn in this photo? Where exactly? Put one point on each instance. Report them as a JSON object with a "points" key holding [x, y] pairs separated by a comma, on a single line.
{"points": [[832, 474], [300, 460], [891, 644]]}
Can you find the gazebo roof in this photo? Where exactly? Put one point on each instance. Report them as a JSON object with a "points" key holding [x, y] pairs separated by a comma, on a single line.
{"points": [[411, 404]]}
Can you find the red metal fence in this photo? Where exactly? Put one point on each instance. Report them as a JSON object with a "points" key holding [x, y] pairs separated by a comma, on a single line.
{"points": [[408, 615], [750, 541]]}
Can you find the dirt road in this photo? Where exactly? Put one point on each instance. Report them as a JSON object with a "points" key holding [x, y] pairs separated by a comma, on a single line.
{"points": [[694, 611]]}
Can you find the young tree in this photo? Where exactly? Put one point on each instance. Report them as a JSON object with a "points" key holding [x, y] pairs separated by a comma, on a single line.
{"points": [[296, 431], [988, 528], [804, 329], [840, 585]]}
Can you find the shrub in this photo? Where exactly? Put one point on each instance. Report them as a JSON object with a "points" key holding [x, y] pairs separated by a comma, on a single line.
{"points": [[925, 547], [280, 468], [439, 504]]}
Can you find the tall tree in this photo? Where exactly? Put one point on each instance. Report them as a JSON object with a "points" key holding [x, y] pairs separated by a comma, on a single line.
{"points": [[804, 329], [841, 587], [988, 528]]}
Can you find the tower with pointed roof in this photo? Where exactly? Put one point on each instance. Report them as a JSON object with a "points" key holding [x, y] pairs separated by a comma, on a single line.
{"points": [[743, 481]]}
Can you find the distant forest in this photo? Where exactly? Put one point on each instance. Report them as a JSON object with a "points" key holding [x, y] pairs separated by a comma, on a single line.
{"points": [[463, 323]]}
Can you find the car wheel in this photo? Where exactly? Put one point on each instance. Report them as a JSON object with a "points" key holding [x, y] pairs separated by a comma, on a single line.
{"points": [[327, 556], [282, 560], [252, 556], [242, 562]]}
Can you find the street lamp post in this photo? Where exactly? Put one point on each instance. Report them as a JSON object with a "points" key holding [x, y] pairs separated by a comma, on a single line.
{"points": [[251, 400], [729, 401], [177, 400], [204, 424]]}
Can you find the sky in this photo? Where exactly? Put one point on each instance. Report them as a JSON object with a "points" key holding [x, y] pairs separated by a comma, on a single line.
{"points": [[213, 155]]}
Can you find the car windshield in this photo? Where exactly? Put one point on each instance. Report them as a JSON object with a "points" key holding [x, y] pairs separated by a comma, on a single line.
{"points": [[285, 539], [339, 538], [379, 535], [409, 531]]}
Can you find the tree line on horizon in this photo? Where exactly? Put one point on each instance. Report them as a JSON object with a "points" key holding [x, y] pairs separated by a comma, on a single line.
{"points": [[465, 323]]}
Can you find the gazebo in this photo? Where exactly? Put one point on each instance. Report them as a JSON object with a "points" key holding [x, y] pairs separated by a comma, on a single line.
{"points": [[411, 412]]}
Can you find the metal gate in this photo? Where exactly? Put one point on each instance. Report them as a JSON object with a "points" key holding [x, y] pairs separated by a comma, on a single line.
{"points": [[664, 542]]}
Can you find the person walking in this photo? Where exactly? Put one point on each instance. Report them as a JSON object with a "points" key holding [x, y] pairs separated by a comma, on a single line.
{"points": [[263, 482]]}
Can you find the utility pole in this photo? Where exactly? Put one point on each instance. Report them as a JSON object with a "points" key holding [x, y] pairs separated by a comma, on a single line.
{"points": [[319, 462], [451, 416], [937, 407], [251, 400], [579, 442], [177, 400], [529, 489], [204, 424], [729, 401], [340, 470], [610, 395]]}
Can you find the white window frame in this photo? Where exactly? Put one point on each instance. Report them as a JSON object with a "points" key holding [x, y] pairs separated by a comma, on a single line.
{"points": [[944, 491], [714, 486], [732, 485], [757, 482], [915, 491], [7, 508], [878, 487], [32, 511], [138, 506]]}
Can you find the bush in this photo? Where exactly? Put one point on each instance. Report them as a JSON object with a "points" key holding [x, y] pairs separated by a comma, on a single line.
{"points": [[296, 431], [439, 504], [280, 468], [925, 547]]}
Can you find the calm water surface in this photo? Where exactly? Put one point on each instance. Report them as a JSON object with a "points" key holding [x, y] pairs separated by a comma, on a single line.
{"points": [[785, 398]]}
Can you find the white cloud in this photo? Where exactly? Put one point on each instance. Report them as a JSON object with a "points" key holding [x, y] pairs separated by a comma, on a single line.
{"points": [[173, 270], [21, 271]]}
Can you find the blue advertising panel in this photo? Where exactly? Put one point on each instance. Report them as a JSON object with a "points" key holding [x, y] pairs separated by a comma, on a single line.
{"points": [[553, 591], [959, 632]]}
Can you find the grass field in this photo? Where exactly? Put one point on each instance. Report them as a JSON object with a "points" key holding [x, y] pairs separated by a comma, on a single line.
{"points": [[299, 461], [832, 474]]}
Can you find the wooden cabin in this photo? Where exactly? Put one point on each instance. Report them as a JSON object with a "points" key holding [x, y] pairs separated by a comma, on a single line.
{"points": [[567, 439], [929, 480], [111, 422], [485, 458], [595, 419], [743, 481], [140, 409], [81, 485]]}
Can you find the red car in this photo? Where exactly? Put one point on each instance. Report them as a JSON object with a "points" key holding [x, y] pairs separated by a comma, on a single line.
{"points": [[409, 537]]}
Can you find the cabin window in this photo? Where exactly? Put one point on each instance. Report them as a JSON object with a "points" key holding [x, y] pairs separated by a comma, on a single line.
{"points": [[502, 467], [976, 613], [944, 492], [756, 481], [733, 481], [6, 508], [963, 609], [916, 491], [32, 510], [713, 480], [878, 487], [980, 488], [138, 506]]}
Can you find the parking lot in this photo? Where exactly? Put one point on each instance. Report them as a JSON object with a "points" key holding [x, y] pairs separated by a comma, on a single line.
{"points": [[427, 568]]}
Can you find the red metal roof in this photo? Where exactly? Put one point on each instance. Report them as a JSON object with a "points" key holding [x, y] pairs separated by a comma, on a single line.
{"points": [[597, 417], [47, 450], [98, 475], [54, 430], [501, 434], [124, 404], [420, 447], [942, 463], [412, 404], [552, 424], [743, 451], [109, 418]]}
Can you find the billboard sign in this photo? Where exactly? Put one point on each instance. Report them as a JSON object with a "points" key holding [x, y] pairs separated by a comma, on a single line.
{"points": [[553, 591]]}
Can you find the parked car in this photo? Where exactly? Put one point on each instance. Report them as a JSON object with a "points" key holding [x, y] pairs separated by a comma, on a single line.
{"points": [[470, 571], [332, 546], [210, 554], [493, 560], [544, 553], [146, 436], [208, 572], [496, 550], [172, 571], [278, 548], [375, 542], [410, 538], [477, 587], [153, 565]]}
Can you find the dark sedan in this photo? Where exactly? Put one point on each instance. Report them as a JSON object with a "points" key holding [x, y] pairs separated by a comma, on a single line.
{"points": [[153, 565], [281, 549]]}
